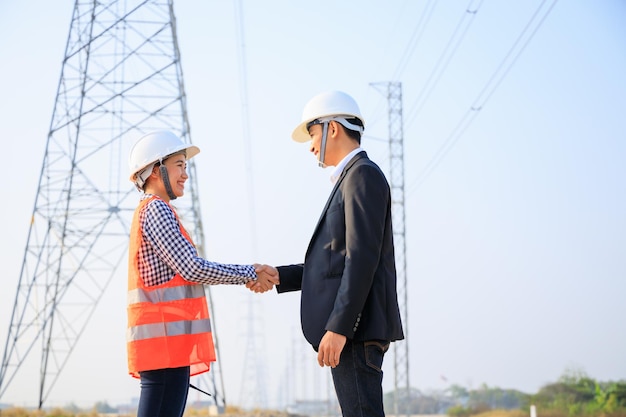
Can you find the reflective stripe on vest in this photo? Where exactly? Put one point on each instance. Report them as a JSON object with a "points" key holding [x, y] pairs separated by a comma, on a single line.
{"points": [[176, 328], [140, 295]]}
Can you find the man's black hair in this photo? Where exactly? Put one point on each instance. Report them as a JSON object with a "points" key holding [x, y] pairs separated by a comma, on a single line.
{"points": [[353, 133]]}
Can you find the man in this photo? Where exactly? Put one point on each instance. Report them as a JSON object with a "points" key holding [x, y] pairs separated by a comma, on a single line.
{"points": [[349, 307]]}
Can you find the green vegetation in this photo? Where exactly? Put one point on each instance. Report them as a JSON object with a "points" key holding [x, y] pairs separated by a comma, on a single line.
{"points": [[573, 395]]}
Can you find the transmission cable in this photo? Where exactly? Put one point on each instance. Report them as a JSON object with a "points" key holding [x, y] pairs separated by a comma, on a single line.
{"points": [[489, 88], [444, 59], [415, 39]]}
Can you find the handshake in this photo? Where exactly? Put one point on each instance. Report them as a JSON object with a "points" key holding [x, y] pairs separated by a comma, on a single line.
{"points": [[267, 277]]}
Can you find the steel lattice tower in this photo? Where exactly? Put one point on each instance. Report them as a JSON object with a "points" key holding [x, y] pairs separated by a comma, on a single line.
{"points": [[393, 93], [121, 77]]}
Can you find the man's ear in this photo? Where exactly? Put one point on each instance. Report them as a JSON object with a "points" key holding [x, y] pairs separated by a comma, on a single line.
{"points": [[333, 128]]}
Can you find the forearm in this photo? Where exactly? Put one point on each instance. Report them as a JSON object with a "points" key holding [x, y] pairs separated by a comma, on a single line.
{"points": [[206, 272], [290, 278]]}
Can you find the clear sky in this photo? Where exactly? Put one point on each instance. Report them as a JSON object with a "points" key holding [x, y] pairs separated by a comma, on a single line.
{"points": [[515, 149]]}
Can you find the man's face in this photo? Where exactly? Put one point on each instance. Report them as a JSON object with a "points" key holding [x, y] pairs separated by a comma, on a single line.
{"points": [[315, 132]]}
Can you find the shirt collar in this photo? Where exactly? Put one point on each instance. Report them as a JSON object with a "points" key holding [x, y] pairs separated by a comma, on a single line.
{"points": [[341, 165]]}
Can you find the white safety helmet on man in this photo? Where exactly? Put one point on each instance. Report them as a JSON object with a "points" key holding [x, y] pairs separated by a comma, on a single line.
{"points": [[152, 148], [331, 105]]}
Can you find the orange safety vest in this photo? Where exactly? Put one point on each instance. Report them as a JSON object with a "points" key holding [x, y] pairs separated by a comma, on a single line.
{"points": [[168, 324]]}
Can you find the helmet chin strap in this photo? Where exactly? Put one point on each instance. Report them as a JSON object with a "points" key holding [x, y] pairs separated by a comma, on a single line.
{"points": [[166, 181], [320, 161]]}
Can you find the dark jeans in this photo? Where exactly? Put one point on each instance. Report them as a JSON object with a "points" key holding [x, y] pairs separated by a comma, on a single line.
{"points": [[358, 378], [163, 392]]}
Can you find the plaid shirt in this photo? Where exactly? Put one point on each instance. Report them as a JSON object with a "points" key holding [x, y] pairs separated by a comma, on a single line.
{"points": [[165, 252]]}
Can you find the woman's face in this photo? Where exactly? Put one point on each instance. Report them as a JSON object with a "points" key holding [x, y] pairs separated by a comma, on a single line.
{"points": [[176, 166]]}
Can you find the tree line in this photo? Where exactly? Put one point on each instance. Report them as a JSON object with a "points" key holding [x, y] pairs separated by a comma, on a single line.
{"points": [[574, 395]]}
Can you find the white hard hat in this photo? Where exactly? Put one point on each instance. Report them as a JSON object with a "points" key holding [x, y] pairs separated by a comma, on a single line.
{"points": [[331, 103], [154, 147]]}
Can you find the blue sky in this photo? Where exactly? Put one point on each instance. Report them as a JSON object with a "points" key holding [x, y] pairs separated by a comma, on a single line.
{"points": [[515, 238]]}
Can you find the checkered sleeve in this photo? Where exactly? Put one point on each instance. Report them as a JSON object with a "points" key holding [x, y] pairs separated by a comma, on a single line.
{"points": [[163, 234]]}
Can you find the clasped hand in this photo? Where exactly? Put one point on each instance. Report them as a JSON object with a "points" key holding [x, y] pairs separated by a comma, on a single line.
{"points": [[267, 277]]}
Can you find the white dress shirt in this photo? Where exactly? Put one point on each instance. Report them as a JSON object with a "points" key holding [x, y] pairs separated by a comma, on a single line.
{"points": [[341, 165]]}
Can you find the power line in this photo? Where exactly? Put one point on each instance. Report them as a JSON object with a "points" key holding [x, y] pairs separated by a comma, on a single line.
{"points": [[440, 67], [444, 59], [410, 48], [487, 91], [415, 38]]}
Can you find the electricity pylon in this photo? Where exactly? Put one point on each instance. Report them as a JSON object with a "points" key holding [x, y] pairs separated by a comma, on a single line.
{"points": [[121, 77], [393, 92]]}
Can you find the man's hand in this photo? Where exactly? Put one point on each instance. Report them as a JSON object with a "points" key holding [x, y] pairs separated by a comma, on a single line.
{"points": [[267, 277], [330, 349]]}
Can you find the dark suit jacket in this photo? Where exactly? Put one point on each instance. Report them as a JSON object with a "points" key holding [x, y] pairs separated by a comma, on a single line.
{"points": [[348, 278]]}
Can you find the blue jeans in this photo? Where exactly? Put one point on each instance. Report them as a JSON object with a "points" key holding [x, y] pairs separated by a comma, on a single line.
{"points": [[358, 378], [163, 392]]}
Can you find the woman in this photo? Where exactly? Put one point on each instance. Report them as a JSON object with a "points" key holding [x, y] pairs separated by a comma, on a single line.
{"points": [[169, 332]]}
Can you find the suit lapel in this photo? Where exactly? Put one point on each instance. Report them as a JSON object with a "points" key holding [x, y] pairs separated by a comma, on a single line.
{"points": [[357, 157]]}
